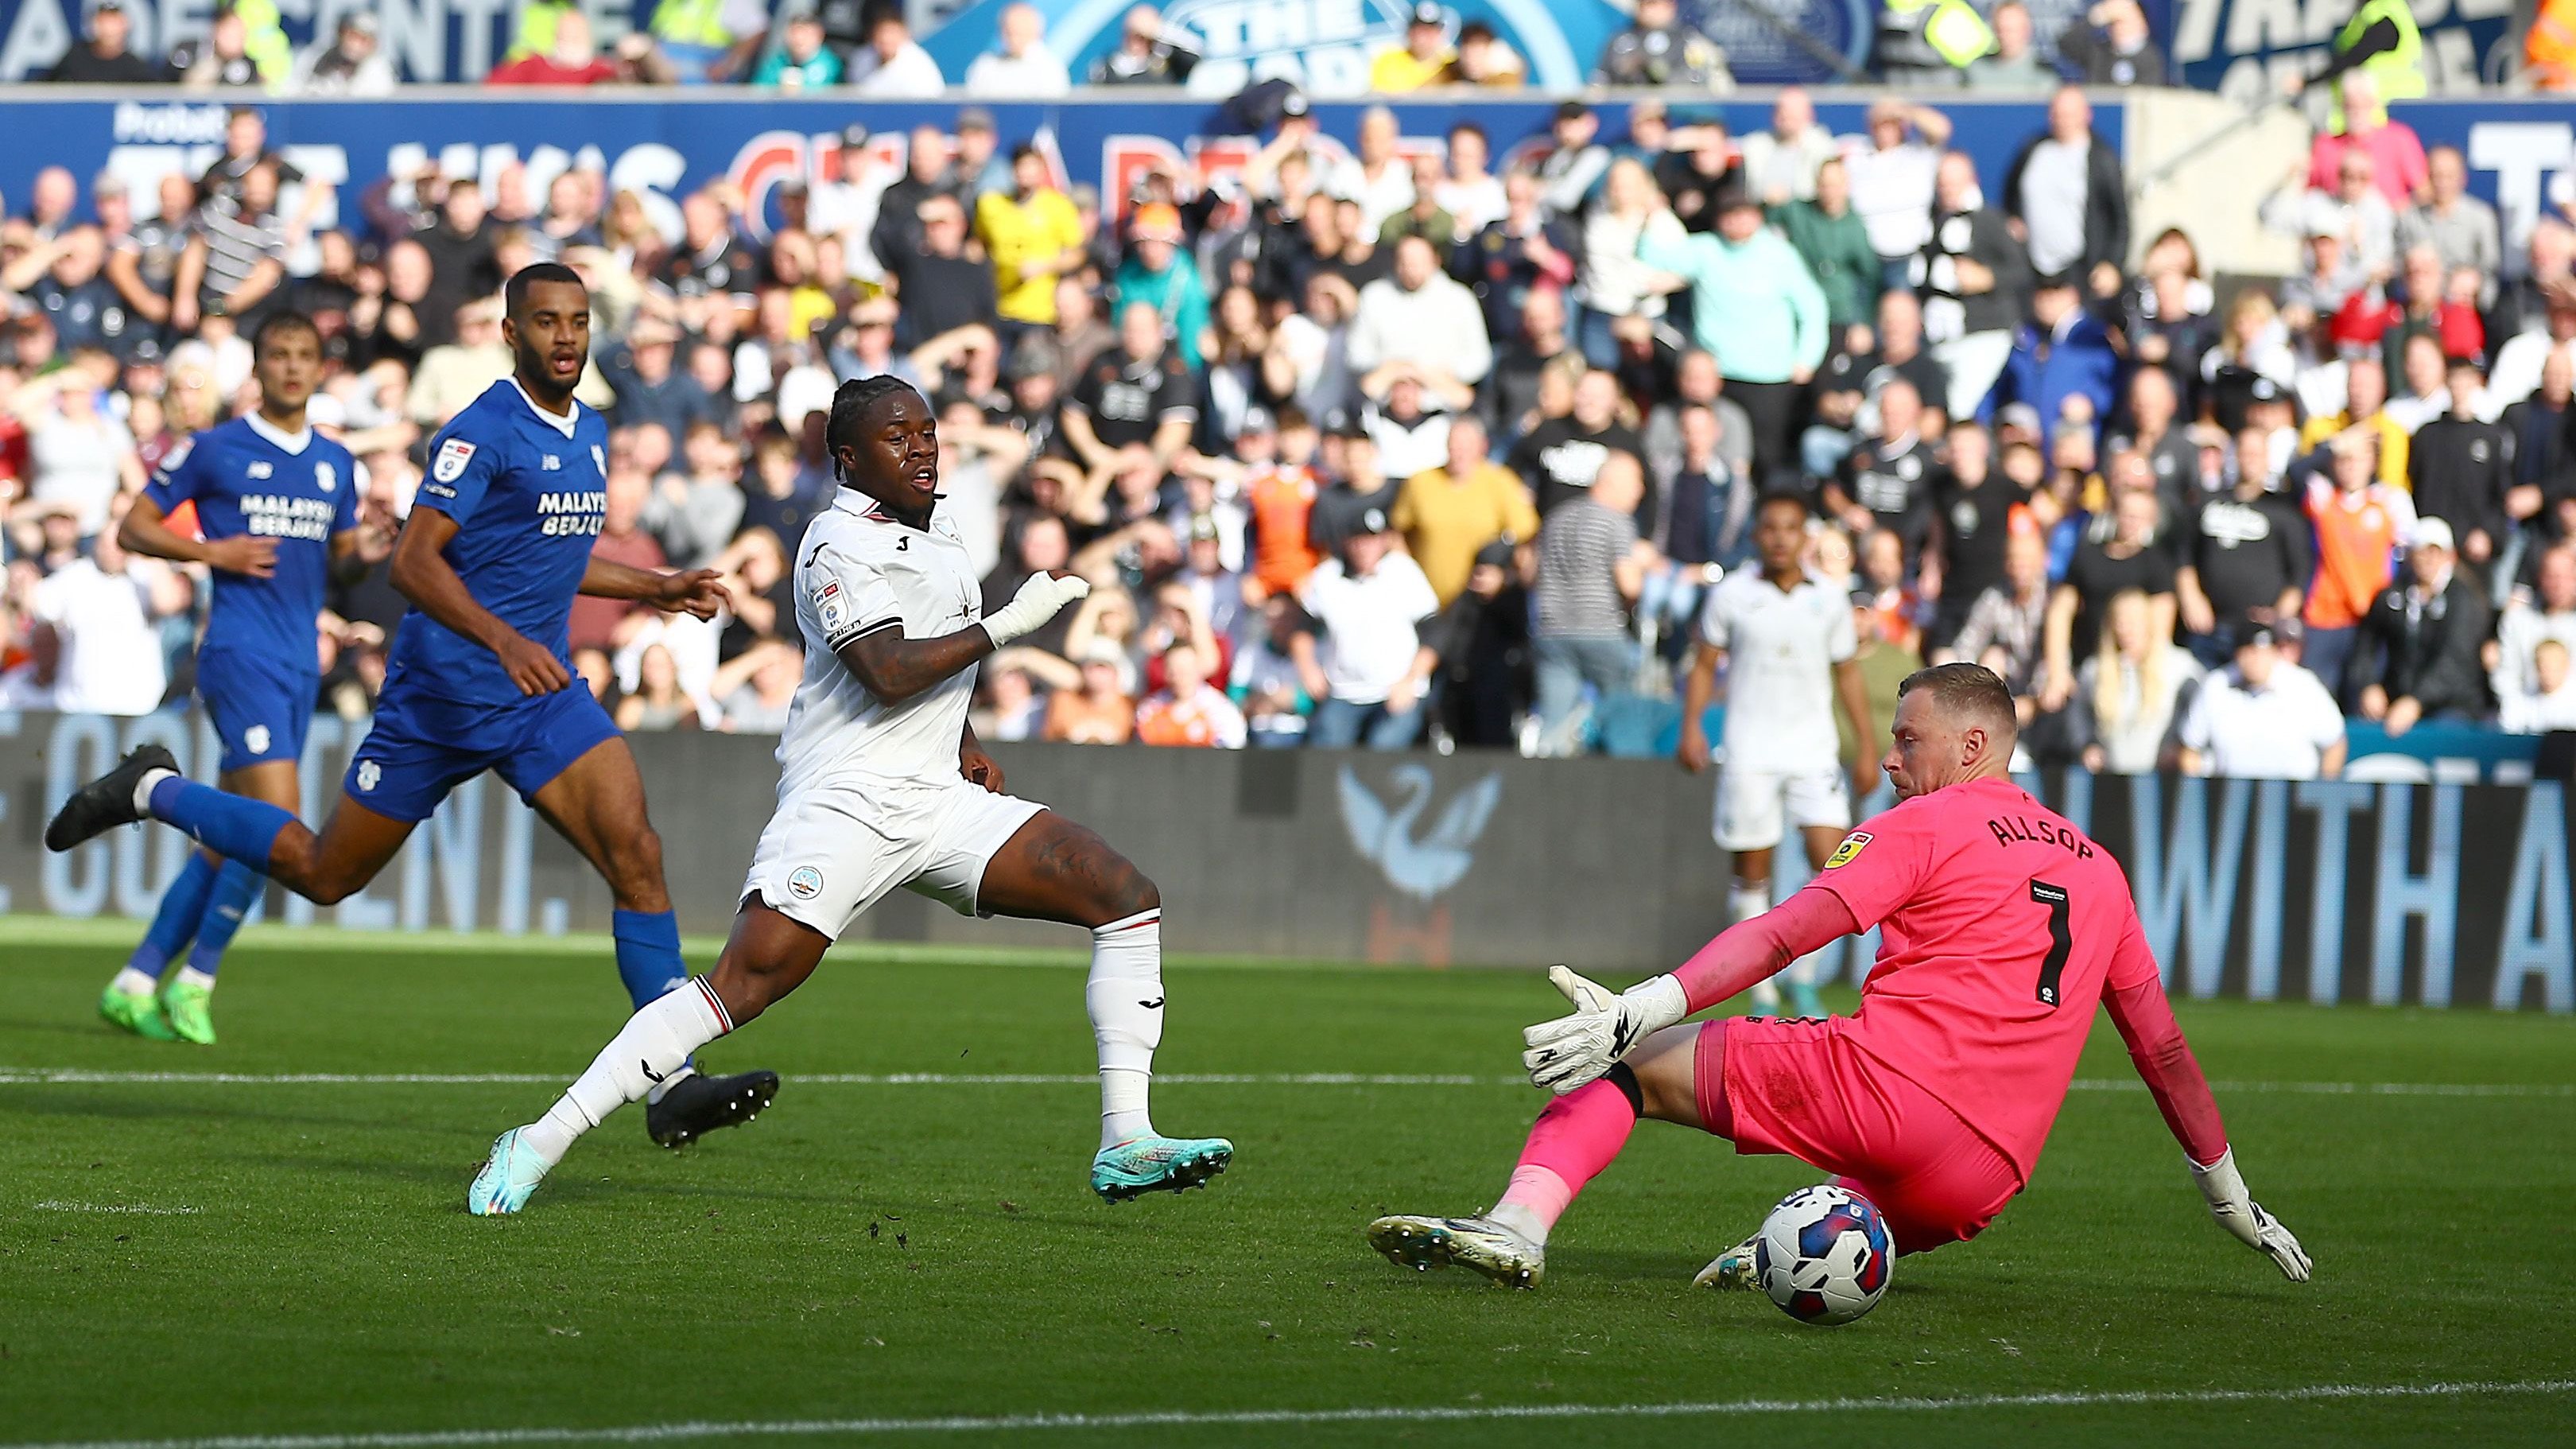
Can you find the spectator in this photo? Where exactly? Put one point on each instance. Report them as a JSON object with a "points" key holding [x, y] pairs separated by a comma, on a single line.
{"points": [[80, 459], [1484, 60], [1265, 682], [97, 635], [2370, 316], [105, 60], [1756, 308], [2359, 522], [896, 232], [1449, 513], [2130, 691], [1021, 68], [1971, 276], [1894, 179], [2459, 227], [705, 41], [2062, 363], [1369, 667], [1560, 457], [1420, 60], [2422, 638], [1591, 567], [2244, 560], [2460, 470], [2542, 430], [2398, 167], [1705, 529], [2113, 47], [1467, 190], [894, 67], [939, 287], [2066, 190], [802, 63], [2522, 358], [2129, 556], [1780, 164], [621, 540], [2015, 66], [1425, 217], [353, 63], [659, 702], [649, 387], [1660, 51], [1512, 258], [2262, 717], [2549, 702], [756, 689], [711, 270], [453, 374], [2549, 269], [1888, 482], [2366, 409], [1133, 400], [1622, 293], [1570, 170], [233, 56], [1834, 243], [2548, 615], [1422, 321], [236, 259], [1157, 275], [1189, 710], [1147, 55], [693, 516], [1099, 711]]}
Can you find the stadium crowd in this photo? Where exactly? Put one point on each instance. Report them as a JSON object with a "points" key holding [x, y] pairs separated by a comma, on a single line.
{"points": [[1399, 445]]}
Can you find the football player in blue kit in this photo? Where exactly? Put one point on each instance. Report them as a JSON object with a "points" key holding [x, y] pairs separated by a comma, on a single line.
{"points": [[277, 504], [497, 546]]}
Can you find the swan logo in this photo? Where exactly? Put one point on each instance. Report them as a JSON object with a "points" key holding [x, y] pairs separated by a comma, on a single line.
{"points": [[1421, 866]]}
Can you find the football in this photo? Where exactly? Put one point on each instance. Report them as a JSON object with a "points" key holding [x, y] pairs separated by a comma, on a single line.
{"points": [[1824, 1255]]}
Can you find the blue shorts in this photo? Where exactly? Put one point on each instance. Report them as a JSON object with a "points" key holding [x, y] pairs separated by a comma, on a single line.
{"points": [[262, 709], [422, 746]]}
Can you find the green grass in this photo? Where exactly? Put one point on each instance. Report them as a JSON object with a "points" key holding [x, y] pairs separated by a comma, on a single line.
{"points": [[906, 1251]]}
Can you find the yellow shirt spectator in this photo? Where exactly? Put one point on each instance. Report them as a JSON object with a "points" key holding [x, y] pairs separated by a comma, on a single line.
{"points": [[2393, 442], [1027, 240], [1400, 70], [1445, 520]]}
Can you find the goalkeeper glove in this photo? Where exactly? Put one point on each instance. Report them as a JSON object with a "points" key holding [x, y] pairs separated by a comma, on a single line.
{"points": [[1037, 601], [1575, 1049], [2241, 1215]]}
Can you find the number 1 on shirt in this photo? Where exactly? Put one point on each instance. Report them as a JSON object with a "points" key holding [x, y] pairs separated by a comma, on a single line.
{"points": [[2060, 941]]}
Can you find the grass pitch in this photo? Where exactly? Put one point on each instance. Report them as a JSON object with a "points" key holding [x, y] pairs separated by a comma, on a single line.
{"points": [[883, 1261]]}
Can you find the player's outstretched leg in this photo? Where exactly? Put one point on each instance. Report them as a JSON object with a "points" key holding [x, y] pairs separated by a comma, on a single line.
{"points": [[1052, 869], [597, 803], [767, 957], [1573, 1140]]}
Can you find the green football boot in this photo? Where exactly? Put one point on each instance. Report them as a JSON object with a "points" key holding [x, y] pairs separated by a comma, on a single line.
{"points": [[1158, 1164], [186, 1006], [136, 1011]]}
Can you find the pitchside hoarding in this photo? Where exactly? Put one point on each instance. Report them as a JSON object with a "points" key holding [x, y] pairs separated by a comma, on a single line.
{"points": [[2328, 892]]}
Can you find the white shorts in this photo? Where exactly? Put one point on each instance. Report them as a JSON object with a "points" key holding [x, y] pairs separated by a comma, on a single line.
{"points": [[833, 850], [1754, 807]]}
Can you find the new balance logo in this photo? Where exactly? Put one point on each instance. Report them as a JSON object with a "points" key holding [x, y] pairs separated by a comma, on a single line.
{"points": [[647, 1069], [1154, 1005]]}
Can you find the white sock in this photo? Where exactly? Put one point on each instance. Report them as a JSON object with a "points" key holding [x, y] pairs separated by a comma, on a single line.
{"points": [[655, 1041], [1125, 997], [131, 982], [143, 788], [1520, 1220], [191, 976]]}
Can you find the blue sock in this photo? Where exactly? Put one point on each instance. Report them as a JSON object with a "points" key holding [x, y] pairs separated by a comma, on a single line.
{"points": [[176, 920], [229, 825], [236, 891], [648, 954]]}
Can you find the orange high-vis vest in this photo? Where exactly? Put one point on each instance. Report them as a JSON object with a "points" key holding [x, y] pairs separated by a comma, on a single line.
{"points": [[2549, 51], [2356, 543]]}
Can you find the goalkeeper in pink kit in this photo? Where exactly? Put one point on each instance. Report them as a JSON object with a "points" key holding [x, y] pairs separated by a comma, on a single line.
{"points": [[2003, 925]]}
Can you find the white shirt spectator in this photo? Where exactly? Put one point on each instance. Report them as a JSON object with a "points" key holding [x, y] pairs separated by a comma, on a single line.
{"points": [[111, 649], [1390, 193], [1369, 639], [1438, 324], [2278, 732], [1033, 76], [911, 76], [1892, 191], [2516, 375], [2519, 632], [2530, 713], [77, 463], [1474, 205]]}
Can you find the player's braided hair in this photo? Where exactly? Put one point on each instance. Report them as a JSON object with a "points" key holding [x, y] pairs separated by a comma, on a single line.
{"points": [[277, 324], [852, 401]]}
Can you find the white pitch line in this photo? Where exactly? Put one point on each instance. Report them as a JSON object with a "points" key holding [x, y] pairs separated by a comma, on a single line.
{"points": [[1181, 1419], [81, 1076], [51, 1206]]}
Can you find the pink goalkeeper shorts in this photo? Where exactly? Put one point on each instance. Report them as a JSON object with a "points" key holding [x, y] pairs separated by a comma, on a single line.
{"points": [[1802, 1089]]}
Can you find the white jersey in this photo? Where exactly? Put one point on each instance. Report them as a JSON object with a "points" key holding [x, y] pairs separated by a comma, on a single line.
{"points": [[1781, 649], [859, 571]]}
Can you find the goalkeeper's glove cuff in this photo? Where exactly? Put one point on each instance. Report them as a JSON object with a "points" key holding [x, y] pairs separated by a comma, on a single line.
{"points": [[1650, 1006]]}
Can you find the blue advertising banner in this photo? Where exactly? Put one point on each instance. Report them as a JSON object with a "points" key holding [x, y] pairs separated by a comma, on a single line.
{"points": [[2522, 155], [666, 146], [2242, 48]]}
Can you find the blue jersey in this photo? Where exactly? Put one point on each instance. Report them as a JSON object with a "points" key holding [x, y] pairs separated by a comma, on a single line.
{"points": [[246, 477], [528, 491]]}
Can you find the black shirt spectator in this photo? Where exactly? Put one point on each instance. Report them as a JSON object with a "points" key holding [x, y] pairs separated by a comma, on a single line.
{"points": [[2459, 469], [941, 290], [2113, 47], [2245, 550], [1972, 504], [105, 60], [2422, 637], [1127, 401], [1560, 457], [461, 264], [1893, 480]]}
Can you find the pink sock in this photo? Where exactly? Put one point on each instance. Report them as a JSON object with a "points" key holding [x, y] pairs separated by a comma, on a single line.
{"points": [[1568, 1146]]}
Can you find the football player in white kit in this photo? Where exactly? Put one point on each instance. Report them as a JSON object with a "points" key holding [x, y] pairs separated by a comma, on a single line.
{"points": [[1786, 639], [881, 785]]}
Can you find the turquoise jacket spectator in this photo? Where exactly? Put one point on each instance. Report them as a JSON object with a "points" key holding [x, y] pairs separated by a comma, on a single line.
{"points": [[823, 70], [1755, 306], [1176, 292], [1838, 253]]}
